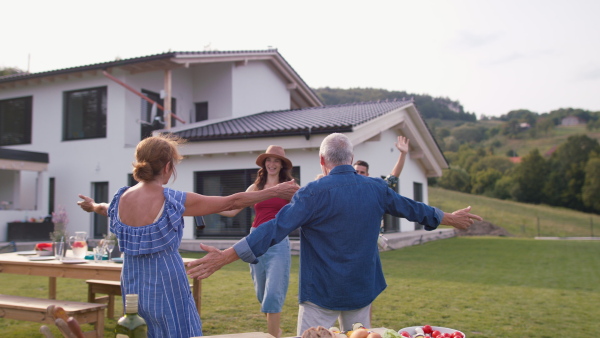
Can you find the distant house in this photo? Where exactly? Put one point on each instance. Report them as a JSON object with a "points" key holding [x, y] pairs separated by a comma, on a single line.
{"points": [[571, 121], [74, 131]]}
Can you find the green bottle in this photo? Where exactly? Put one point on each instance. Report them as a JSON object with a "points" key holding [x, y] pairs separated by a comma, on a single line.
{"points": [[131, 325]]}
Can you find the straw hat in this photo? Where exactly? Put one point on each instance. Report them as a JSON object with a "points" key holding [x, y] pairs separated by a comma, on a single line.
{"points": [[274, 151]]}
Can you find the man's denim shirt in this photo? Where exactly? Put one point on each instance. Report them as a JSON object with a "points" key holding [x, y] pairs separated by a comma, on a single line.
{"points": [[340, 217]]}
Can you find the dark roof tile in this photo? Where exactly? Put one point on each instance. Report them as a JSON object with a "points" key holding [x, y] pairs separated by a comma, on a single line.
{"points": [[316, 120]]}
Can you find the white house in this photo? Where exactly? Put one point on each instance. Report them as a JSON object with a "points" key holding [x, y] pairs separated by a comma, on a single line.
{"points": [[73, 131]]}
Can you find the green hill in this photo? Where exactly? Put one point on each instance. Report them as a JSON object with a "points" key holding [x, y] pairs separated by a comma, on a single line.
{"points": [[520, 219]]}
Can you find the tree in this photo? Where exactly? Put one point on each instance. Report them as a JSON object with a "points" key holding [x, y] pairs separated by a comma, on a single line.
{"points": [[501, 163], [469, 133], [429, 107], [484, 181], [591, 185], [545, 125], [566, 179], [530, 177], [457, 179], [511, 128], [10, 71], [506, 187]]}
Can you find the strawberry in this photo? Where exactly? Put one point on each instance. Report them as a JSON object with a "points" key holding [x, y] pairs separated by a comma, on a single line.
{"points": [[43, 247], [79, 244]]}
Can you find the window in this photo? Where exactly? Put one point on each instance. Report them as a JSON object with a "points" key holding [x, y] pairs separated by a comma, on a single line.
{"points": [[223, 183], [418, 196], [15, 121], [154, 118], [85, 114], [201, 111]]}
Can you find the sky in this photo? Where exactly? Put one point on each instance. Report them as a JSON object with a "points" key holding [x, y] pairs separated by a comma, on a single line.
{"points": [[492, 56]]}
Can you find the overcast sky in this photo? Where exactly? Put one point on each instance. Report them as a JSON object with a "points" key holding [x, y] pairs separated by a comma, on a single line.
{"points": [[492, 56]]}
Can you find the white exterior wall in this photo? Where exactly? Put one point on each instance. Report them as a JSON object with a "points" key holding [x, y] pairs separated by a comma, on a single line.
{"points": [[212, 83], [77, 164], [257, 88]]}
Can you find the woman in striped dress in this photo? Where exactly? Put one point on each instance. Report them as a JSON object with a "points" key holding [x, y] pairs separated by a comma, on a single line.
{"points": [[148, 222]]}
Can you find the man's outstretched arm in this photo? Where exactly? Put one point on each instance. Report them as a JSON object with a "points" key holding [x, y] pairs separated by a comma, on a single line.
{"points": [[460, 219], [214, 260]]}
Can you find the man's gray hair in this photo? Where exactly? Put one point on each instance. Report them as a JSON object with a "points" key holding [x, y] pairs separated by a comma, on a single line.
{"points": [[337, 149]]}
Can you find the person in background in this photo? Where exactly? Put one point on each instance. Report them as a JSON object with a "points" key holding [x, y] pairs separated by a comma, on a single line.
{"points": [[271, 275], [339, 215], [148, 222], [362, 167]]}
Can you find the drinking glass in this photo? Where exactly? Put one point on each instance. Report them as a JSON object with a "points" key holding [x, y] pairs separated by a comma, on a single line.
{"points": [[110, 245], [59, 250], [98, 254]]}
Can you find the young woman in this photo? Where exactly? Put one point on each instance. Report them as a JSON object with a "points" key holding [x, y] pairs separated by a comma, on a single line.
{"points": [[148, 221], [271, 274]]}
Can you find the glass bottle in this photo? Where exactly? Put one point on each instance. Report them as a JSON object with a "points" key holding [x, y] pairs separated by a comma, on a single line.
{"points": [[131, 325]]}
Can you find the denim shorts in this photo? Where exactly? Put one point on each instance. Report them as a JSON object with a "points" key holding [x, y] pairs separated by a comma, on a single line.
{"points": [[271, 277]]}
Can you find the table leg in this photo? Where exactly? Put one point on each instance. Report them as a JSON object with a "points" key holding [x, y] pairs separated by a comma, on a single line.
{"points": [[197, 292], [51, 287]]}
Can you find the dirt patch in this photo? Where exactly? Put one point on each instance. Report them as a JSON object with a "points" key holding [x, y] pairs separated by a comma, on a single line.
{"points": [[483, 228]]}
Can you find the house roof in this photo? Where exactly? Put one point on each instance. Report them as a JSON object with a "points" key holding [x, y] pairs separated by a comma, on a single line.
{"points": [[301, 92], [362, 122], [306, 122]]}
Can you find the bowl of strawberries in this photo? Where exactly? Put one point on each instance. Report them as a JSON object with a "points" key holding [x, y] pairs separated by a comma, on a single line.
{"points": [[44, 249], [430, 331]]}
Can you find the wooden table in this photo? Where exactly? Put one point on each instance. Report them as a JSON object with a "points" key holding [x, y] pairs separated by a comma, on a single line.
{"points": [[21, 265]]}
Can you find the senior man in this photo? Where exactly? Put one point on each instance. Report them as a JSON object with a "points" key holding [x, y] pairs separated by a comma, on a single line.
{"points": [[339, 216]]}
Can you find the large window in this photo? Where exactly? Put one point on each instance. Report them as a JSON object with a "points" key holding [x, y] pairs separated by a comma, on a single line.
{"points": [[85, 114], [15, 121], [223, 183]]}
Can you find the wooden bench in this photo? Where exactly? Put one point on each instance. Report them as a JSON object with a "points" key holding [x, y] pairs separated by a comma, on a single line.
{"points": [[107, 287], [35, 310]]}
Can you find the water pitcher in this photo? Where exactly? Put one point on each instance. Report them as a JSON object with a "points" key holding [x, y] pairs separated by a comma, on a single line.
{"points": [[78, 244]]}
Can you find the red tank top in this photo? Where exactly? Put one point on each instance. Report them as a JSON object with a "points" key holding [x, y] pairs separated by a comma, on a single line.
{"points": [[266, 210]]}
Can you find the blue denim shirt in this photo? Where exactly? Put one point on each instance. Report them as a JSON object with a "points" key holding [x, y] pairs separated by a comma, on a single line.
{"points": [[339, 217]]}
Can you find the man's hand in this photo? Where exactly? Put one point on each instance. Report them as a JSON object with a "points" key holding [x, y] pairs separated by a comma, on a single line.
{"points": [[214, 260], [402, 144], [87, 204], [286, 190], [460, 219]]}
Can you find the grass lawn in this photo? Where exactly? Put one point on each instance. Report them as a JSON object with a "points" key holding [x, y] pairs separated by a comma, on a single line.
{"points": [[483, 286]]}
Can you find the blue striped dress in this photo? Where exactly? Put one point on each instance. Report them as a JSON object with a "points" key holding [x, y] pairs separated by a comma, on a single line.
{"points": [[153, 269]]}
